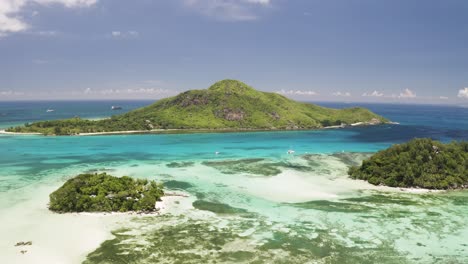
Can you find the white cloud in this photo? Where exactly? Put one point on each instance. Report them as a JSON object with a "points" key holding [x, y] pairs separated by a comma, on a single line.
{"points": [[407, 94], [8, 21], [11, 21], [125, 34], [443, 98], [46, 33], [346, 94], [263, 2], [10, 93], [296, 92], [131, 91], [156, 91], [375, 93], [228, 10], [68, 3], [463, 93]]}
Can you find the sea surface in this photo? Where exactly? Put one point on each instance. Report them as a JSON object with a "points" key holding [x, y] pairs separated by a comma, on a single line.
{"points": [[252, 202]]}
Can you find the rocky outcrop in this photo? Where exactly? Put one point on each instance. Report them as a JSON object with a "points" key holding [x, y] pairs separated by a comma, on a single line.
{"points": [[275, 115], [231, 114], [188, 100]]}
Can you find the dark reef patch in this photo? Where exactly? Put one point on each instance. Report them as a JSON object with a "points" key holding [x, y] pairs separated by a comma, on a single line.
{"points": [[218, 208], [257, 166], [173, 184], [183, 164], [331, 206]]}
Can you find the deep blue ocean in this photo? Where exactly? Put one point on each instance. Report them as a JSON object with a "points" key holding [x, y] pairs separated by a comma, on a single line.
{"points": [[434, 121]]}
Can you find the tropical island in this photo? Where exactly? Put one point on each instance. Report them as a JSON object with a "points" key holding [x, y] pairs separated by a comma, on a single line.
{"points": [[420, 163], [226, 105], [105, 193]]}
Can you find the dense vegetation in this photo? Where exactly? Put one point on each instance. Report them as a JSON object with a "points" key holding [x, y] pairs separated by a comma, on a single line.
{"points": [[105, 193], [419, 163], [227, 104]]}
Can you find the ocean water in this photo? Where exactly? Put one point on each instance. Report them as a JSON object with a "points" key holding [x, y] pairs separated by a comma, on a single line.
{"points": [[250, 203]]}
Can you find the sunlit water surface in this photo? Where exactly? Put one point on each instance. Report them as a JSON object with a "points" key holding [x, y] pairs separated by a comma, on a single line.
{"points": [[252, 202]]}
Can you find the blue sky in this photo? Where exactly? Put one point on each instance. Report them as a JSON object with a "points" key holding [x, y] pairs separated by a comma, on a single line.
{"points": [[315, 50]]}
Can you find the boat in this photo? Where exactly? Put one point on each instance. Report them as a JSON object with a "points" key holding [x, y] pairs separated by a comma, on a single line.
{"points": [[291, 151], [116, 107], [50, 110]]}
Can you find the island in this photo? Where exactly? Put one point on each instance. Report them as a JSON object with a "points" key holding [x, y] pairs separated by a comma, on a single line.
{"points": [[101, 192], [420, 163], [226, 105]]}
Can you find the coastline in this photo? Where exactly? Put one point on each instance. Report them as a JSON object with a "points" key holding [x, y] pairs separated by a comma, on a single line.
{"points": [[202, 130], [19, 134], [62, 238]]}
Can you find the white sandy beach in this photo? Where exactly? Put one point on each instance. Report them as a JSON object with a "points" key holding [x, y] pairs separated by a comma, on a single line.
{"points": [[15, 133], [58, 238], [195, 130]]}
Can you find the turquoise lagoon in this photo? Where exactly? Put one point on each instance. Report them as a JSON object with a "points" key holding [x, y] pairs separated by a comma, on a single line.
{"points": [[250, 203]]}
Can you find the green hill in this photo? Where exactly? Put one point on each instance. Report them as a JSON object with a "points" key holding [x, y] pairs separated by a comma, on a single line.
{"points": [[419, 163], [227, 104]]}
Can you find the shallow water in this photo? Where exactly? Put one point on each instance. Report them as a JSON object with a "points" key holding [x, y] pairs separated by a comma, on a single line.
{"points": [[251, 203]]}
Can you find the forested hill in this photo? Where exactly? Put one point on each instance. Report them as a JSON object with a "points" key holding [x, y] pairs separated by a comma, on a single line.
{"points": [[227, 104], [423, 163]]}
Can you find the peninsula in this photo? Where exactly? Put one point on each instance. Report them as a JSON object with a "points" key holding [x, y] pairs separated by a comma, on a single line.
{"points": [[420, 163], [226, 105]]}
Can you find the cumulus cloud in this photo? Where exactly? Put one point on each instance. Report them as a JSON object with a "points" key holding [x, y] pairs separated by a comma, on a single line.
{"points": [[346, 94], [463, 93], [228, 10], [407, 93], [11, 21], [375, 93], [296, 92]]}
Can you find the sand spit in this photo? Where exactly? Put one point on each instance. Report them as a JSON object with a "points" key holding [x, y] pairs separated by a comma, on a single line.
{"points": [[33, 234]]}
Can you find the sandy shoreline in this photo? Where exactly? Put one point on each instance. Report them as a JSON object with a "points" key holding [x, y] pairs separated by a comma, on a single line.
{"points": [[181, 131], [15, 133], [60, 238]]}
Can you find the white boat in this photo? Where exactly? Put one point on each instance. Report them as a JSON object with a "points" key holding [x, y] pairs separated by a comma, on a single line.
{"points": [[50, 110], [291, 151], [116, 107]]}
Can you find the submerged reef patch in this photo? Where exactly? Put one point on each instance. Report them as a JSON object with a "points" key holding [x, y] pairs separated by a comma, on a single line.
{"points": [[258, 166], [239, 240], [183, 164]]}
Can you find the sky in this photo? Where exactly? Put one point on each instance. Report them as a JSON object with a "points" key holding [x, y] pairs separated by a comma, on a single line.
{"points": [[392, 51]]}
